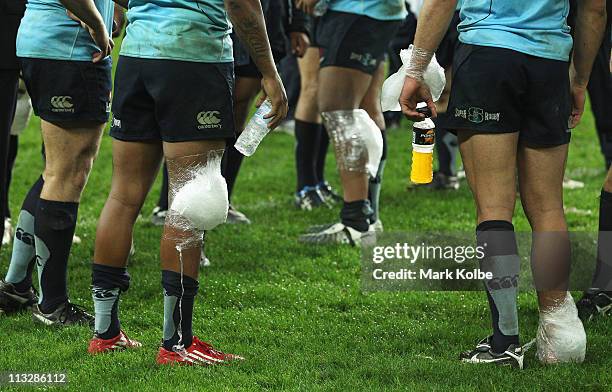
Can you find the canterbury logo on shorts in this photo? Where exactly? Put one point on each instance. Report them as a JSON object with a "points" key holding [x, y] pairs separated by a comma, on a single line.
{"points": [[209, 119], [62, 104]]}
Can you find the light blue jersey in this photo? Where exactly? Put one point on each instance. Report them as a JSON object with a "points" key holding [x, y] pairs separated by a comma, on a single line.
{"points": [[376, 9], [187, 30], [535, 27], [47, 32]]}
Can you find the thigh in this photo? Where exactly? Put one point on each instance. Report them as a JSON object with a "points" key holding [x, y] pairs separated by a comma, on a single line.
{"points": [[135, 166], [490, 167], [344, 88], [309, 67], [371, 101], [541, 173], [245, 91], [69, 147], [307, 108]]}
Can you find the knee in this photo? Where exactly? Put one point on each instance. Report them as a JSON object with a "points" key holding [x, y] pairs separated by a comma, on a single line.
{"points": [[71, 172], [544, 215], [309, 91], [130, 197], [81, 167]]}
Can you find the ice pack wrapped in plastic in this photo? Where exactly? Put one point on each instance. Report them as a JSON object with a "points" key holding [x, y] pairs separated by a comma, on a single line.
{"points": [[561, 337], [392, 88], [202, 199]]}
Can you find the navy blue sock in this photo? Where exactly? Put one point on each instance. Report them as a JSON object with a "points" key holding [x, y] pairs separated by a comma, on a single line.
{"points": [[501, 259], [321, 154], [307, 137], [23, 258], [356, 214], [55, 223], [107, 285], [178, 308]]}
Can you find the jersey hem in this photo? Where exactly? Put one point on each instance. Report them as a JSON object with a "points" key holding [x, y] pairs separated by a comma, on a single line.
{"points": [[212, 61], [521, 50]]}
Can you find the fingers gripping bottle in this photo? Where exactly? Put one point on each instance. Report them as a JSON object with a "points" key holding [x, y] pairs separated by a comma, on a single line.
{"points": [[423, 140]]}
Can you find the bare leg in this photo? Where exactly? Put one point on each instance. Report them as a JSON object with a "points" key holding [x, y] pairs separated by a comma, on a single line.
{"points": [[344, 89], [490, 162], [371, 101], [307, 108], [131, 182], [190, 153], [541, 184], [70, 152]]}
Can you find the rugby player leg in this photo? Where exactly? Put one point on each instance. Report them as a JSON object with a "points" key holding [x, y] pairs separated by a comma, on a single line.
{"points": [[309, 136], [70, 149], [180, 262], [371, 104], [490, 167], [561, 336], [344, 89], [541, 185], [131, 181]]}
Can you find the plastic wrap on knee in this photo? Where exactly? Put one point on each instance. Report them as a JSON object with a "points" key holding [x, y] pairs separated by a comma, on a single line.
{"points": [[561, 336], [358, 142], [197, 195]]}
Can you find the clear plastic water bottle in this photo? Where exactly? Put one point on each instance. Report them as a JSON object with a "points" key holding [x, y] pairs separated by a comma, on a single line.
{"points": [[255, 130]]}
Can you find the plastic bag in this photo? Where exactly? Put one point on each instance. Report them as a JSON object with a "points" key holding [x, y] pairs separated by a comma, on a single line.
{"points": [[392, 88], [561, 337], [202, 199]]}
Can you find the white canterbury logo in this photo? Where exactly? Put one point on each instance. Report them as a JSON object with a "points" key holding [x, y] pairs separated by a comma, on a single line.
{"points": [[62, 104], [209, 119]]}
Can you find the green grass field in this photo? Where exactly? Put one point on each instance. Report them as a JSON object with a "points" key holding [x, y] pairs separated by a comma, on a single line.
{"points": [[295, 312]]}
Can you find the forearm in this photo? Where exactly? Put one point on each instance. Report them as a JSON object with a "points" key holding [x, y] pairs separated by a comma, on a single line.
{"points": [[590, 27], [248, 20], [433, 22], [86, 11]]}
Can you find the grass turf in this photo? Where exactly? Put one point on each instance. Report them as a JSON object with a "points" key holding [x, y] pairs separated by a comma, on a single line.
{"points": [[297, 312]]}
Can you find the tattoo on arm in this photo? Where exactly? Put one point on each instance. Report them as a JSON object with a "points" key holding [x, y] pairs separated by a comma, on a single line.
{"points": [[247, 18]]}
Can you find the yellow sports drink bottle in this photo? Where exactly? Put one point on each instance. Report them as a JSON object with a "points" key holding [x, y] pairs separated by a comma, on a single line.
{"points": [[423, 140]]}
